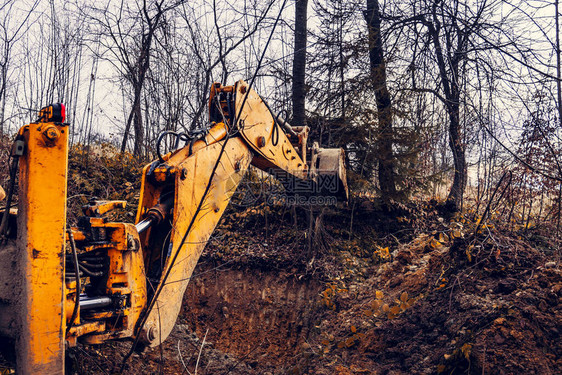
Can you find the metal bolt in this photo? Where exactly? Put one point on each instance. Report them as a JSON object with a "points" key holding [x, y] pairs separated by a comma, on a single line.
{"points": [[243, 89], [261, 141], [151, 334], [51, 133], [183, 175]]}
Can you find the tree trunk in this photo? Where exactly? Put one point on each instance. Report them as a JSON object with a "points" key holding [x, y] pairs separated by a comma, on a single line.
{"points": [[137, 123], [558, 75], [384, 105], [457, 148], [137, 77], [299, 63], [3, 77], [452, 104]]}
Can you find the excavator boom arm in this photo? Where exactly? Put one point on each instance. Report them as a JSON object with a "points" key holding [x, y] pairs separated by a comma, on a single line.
{"points": [[205, 175]]}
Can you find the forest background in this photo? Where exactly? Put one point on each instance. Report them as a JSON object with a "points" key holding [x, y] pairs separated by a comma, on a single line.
{"points": [[432, 98]]}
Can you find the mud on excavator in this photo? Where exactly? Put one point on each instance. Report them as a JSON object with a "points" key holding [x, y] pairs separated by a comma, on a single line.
{"points": [[103, 280]]}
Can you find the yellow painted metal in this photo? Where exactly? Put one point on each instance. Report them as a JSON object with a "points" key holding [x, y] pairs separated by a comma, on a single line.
{"points": [[102, 207], [256, 122], [84, 329], [187, 172], [41, 241], [126, 278], [126, 281], [71, 296], [189, 192]]}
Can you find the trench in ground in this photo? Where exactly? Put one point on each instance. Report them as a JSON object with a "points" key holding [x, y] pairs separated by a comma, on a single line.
{"points": [[261, 317]]}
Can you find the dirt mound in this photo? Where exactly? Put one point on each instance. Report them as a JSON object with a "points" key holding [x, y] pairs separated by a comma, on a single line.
{"points": [[432, 310]]}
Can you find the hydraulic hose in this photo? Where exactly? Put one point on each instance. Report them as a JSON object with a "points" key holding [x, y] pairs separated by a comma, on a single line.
{"points": [[78, 286]]}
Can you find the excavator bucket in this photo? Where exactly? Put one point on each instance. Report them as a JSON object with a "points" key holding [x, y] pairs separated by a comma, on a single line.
{"points": [[326, 180], [331, 180]]}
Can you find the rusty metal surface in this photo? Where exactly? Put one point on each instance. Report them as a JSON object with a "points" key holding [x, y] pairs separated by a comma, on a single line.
{"points": [[40, 254], [331, 168]]}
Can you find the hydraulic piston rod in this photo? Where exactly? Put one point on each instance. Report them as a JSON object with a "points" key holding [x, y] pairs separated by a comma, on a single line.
{"points": [[87, 303], [145, 224]]}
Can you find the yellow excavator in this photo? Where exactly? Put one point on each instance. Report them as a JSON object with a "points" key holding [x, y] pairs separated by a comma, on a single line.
{"points": [[101, 280]]}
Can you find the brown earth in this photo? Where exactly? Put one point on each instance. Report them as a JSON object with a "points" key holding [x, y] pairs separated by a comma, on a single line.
{"points": [[431, 308], [262, 317]]}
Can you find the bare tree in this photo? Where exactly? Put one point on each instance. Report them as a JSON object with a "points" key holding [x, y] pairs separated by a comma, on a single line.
{"points": [[10, 33], [448, 40], [128, 34]]}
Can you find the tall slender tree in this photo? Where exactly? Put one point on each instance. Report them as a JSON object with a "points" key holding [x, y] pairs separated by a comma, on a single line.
{"points": [[450, 36], [384, 106], [299, 63]]}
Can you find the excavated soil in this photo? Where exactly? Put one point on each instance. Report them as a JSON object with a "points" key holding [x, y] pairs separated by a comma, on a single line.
{"points": [[234, 321], [500, 313], [261, 317], [431, 309]]}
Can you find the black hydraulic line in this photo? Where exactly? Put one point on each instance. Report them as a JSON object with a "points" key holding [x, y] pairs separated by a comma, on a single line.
{"points": [[275, 130], [279, 115], [146, 313], [88, 272], [159, 141], [185, 137], [191, 147], [275, 134], [78, 286], [98, 266], [278, 119], [231, 108]]}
